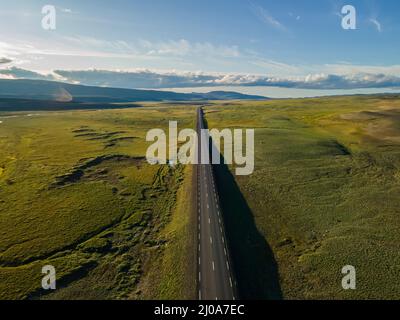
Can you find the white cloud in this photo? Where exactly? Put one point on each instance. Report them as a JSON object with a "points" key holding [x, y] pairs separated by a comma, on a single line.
{"points": [[292, 15], [173, 79], [143, 48], [263, 15], [376, 23], [349, 69], [275, 67], [256, 69], [67, 10], [183, 47], [156, 80], [79, 52]]}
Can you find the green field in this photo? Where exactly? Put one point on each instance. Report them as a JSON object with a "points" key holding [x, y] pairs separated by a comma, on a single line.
{"points": [[77, 193], [324, 194]]}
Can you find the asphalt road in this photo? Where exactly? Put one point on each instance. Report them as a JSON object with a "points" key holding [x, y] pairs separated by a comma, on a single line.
{"points": [[215, 275]]}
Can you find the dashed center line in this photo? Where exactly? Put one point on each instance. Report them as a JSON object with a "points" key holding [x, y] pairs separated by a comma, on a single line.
{"points": [[208, 198]]}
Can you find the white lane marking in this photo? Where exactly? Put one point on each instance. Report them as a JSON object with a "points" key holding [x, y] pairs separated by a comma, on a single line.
{"points": [[199, 261], [209, 221], [199, 236], [199, 276], [230, 281], [200, 248], [210, 239], [207, 194], [224, 250], [220, 229], [223, 240], [208, 207], [199, 294], [227, 265], [213, 266]]}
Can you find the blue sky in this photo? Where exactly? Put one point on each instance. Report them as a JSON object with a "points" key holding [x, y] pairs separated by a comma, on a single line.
{"points": [[300, 40]]}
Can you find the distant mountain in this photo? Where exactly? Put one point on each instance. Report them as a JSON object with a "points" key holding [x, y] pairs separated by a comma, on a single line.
{"points": [[228, 95], [65, 92]]}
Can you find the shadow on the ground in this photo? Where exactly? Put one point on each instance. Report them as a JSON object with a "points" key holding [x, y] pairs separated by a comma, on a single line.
{"points": [[254, 263]]}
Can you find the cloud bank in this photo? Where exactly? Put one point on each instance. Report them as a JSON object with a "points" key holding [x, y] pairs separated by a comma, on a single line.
{"points": [[155, 80], [148, 79]]}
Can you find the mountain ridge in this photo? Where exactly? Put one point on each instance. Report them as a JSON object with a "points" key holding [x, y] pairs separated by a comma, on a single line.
{"points": [[66, 92]]}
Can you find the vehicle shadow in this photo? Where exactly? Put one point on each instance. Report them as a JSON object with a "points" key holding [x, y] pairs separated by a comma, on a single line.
{"points": [[254, 263]]}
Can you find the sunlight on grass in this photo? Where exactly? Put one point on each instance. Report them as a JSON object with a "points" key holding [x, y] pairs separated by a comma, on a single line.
{"points": [[78, 193], [324, 193]]}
